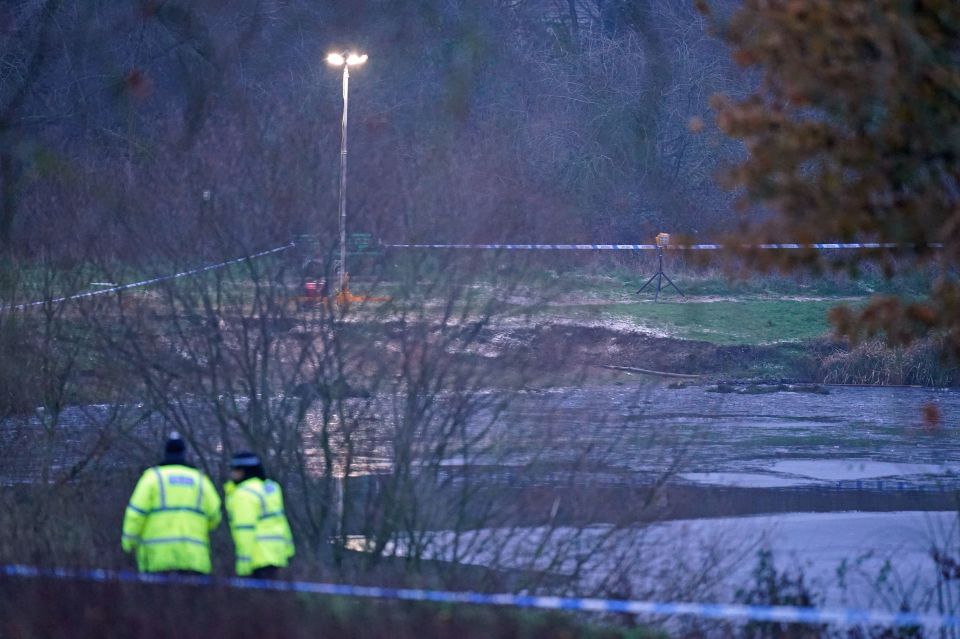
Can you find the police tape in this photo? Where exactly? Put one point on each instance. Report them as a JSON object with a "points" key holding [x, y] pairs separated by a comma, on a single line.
{"points": [[154, 280], [652, 247], [728, 612]]}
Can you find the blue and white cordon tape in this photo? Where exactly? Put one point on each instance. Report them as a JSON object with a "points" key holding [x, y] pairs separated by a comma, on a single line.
{"points": [[154, 280], [730, 612], [505, 247], [651, 247]]}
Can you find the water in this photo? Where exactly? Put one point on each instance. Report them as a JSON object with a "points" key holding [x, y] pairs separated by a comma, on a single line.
{"points": [[774, 439], [851, 559], [769, 441]]}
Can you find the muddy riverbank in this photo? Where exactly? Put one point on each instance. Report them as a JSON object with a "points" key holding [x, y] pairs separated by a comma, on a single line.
{"points": [[565, 352], [571, 347]]}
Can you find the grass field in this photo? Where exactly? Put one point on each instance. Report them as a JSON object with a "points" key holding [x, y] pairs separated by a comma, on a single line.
{"points": [[758, 310], [728, 322]]}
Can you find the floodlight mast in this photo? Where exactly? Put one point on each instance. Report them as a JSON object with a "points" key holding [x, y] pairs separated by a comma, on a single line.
{"points": [[346, 60]]}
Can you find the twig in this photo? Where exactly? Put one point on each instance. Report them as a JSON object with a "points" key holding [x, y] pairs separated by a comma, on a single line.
{"points": [[645, 371]]}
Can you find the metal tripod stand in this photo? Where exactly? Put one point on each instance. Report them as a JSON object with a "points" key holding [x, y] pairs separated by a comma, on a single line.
{"points": [[660, 276]]}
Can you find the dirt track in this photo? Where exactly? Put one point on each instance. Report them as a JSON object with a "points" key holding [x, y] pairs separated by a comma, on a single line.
{"points": [[556, 347]]}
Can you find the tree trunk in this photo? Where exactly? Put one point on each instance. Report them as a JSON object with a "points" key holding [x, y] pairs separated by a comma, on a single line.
{"points": [[8, 200]]}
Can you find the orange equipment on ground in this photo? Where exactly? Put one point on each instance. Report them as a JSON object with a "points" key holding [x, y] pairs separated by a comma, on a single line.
{"points": [[345, 298], [316, 291]]}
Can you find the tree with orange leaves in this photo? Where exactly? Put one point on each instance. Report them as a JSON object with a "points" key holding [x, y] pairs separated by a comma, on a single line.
{"points": [[853, 134]]}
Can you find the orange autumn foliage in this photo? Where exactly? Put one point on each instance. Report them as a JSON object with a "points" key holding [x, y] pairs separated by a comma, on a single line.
{"points": [[853, 134]]}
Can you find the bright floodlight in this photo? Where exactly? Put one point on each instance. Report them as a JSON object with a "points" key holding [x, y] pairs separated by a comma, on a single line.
{"points": [[346, 60]]}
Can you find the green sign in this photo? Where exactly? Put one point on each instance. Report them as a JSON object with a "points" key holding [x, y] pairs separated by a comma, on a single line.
{"points": [[362, 244]]}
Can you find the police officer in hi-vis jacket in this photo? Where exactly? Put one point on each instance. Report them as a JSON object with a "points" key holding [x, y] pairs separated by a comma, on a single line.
{"points": [[261, 533], [171, 513]]}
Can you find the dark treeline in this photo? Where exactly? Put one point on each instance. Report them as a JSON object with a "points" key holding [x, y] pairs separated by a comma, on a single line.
{"points": [[131, 127]]}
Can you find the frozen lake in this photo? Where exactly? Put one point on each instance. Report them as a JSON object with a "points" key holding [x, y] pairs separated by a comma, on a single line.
{"points": [[779, 440], [765, 440], [872, 560], [851, 438], [576, 436]]}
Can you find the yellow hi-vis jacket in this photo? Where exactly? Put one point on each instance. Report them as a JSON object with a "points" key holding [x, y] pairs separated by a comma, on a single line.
{"points": [[168, 520], [261, 533]]}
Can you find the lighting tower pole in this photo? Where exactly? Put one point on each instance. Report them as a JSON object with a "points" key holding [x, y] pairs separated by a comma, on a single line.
{"points": [[346, 60]]}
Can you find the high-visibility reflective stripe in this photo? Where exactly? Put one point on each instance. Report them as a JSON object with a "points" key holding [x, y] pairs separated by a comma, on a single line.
{"points": [[126, 536], [135, 509], [163, 494], [273, 538], [273, 514], [263, 501], [178, 509], [244, 558], [244, 527], [176, 540], [200, 491]]}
